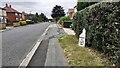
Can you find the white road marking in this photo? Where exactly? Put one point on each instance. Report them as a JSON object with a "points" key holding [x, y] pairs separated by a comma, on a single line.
{"points": [[27, 59]]}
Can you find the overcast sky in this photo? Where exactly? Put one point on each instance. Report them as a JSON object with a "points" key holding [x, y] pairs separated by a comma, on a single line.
{"points": [[40, 6]]}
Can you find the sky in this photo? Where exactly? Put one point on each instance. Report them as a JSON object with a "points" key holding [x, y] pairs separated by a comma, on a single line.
{"points": [[40, 6]]}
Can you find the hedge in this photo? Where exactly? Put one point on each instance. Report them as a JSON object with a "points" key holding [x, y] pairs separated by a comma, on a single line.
{"points": [[102, 24], [64, 19], [82, 5]]}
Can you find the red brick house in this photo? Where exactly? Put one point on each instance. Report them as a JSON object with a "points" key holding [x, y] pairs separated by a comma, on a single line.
{"points": [[25, 16], [71, 12], [12, 14]]}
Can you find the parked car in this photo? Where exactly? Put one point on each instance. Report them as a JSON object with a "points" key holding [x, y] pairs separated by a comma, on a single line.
{"points": [[67, 24], [30, 22], [23, 23]]}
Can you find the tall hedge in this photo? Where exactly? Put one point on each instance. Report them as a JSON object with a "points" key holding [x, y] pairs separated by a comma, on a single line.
{"points": [[82, 5], [102, 24]]}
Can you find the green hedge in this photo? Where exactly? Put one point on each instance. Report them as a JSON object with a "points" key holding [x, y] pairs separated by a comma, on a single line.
{"points": [[64, 19], [102, 24], [81, 5]]}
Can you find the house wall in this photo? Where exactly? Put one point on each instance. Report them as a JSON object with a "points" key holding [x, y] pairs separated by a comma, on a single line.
{"points": [[11, 16], [2, 15]]}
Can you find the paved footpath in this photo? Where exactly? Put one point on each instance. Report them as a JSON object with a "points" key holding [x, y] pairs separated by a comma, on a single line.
{"points": [[55, 54], [49, 52]]}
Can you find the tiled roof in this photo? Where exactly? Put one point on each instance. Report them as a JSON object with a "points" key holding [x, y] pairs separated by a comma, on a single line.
{"points": [[9, 9], [24, 13], [2, 8], [70, 10]]}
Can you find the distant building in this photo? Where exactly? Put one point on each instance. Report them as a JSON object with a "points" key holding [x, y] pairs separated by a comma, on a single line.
{"points": [[25, 16], [12, 14], [3, 15], [71, 12]]}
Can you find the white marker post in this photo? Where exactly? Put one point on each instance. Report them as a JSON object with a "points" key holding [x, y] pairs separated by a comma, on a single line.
{"points": [[82, 38]]}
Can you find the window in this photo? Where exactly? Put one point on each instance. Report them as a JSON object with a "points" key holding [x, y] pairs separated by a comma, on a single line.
{"points": [[16, 14], [0, 19], [17, 19], [0, 12], [19, 14]]}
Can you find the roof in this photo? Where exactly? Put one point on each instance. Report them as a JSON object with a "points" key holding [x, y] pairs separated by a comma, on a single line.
{"points": [[71, 10], [10, 9], [2, 8], [24, 13]]}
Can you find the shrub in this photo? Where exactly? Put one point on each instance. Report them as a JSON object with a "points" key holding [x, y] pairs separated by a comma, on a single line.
{"points": [[23, 23], [81, 4], [66, 21], [102, 24]]}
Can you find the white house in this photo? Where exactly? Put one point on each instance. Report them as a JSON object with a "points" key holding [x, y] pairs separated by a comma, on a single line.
{"points": [[3, 15]]}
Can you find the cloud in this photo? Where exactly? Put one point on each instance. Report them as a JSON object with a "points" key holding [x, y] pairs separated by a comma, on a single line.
{"points": [[41, 6]]}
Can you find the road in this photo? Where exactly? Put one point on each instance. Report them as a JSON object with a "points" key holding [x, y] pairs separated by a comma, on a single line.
{"points": [[49, 53], [17, 43]]}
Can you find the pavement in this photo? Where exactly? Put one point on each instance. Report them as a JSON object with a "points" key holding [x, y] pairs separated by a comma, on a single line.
{"points": [[7, 28], [69, 31]]}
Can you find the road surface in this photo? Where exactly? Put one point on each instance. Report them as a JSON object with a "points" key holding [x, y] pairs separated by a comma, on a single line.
{"points": [[17, 43]]}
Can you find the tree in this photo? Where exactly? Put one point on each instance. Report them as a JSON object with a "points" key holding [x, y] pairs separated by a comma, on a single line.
{"points": [[57, 12], [35, 17], [43, 17]]}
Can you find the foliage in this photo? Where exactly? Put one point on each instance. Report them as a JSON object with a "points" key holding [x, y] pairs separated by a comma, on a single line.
{"points": [[64, 19], [23, 23], [81, 4], [102, 24], [57, 12], [43, 18], [38, 18]]}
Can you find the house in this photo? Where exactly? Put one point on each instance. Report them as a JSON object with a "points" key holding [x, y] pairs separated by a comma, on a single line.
{"points": [[71, 12], [25, 16], [3, 16], [12, 14]]}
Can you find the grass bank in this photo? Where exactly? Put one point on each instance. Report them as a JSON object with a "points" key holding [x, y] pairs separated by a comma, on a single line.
{"points": [[76, 55]]}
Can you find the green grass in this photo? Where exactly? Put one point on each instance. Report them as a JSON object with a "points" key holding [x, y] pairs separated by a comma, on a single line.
{"points": [[76, 55]]}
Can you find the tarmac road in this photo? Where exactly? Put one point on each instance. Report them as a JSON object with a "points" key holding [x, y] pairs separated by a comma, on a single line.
{"points": [[17, 43]]}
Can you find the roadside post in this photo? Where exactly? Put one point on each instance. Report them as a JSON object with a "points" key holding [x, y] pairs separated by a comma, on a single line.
{"points": [[82, 38]]}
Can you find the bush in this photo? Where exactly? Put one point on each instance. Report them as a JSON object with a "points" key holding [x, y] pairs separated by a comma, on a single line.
{"points": [[102, 24], [66, 21], [23, 23], [82, 5]]}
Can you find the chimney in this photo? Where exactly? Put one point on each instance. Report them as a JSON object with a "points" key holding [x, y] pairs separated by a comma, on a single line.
{"points": [[10, 6], [6, 5]]}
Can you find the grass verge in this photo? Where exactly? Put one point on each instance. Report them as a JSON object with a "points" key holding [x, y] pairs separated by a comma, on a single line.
{"points": [[76, 55]]}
